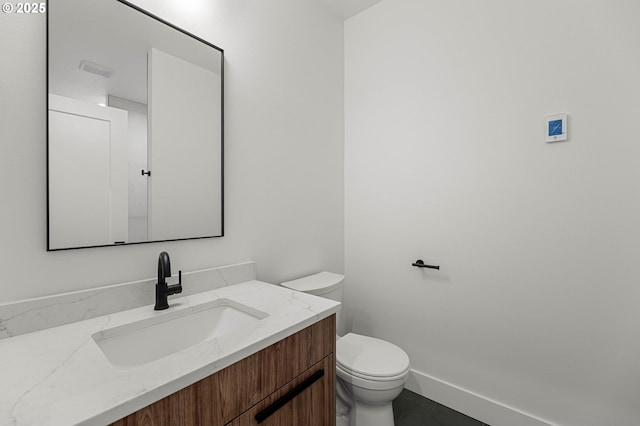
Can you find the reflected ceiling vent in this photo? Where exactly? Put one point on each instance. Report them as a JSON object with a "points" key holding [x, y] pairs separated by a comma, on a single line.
{"points": [[95, 69]]}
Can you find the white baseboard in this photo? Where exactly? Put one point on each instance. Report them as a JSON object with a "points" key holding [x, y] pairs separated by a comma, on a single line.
{"points": [[473, 405]]}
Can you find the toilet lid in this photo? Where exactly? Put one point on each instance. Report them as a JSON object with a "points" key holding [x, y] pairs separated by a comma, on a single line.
{"points": [[316, 284], [371, 357]]}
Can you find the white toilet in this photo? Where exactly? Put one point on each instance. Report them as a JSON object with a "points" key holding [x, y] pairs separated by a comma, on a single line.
{"points": [[370, 372]]}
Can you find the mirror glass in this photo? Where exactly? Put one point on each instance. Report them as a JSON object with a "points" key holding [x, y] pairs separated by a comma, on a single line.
{"points": [[135, 128]]}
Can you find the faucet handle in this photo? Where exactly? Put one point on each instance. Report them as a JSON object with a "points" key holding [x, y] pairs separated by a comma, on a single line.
{"points": [[175, 288]]}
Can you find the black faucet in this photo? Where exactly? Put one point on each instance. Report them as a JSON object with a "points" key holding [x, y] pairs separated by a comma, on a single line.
{"points": [[162, 289]]}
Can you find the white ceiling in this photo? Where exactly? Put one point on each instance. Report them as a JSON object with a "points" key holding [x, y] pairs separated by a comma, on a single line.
{"points": [[345, 9]]}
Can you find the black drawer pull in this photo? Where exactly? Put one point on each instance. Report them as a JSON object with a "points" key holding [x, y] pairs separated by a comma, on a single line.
{"points": [[282, 401]]}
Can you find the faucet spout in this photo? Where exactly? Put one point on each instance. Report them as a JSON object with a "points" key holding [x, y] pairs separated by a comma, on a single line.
{"points": [[162, 289], [164, 267]]}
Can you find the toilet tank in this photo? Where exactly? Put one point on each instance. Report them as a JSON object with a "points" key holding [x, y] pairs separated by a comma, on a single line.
{"points": [[324, 284]]}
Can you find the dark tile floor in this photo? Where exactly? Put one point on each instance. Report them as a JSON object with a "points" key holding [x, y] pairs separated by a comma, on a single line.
{"points": [[411, 409]]}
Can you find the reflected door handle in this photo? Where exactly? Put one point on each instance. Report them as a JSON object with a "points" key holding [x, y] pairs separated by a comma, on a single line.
{"points": [[148, 173]]}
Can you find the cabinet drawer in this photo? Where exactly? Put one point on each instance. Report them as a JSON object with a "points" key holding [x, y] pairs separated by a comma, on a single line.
{"points": [[223, 396], [308, 400]]}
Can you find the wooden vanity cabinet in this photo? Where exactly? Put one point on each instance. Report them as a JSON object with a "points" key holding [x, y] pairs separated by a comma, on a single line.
{"points": [[291, 382]]}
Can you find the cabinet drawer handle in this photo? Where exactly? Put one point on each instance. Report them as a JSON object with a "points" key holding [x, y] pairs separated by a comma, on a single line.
{"points": [[282, 401]]}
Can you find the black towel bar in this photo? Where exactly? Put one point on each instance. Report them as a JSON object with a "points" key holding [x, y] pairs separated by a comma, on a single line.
{"points": [[420, 264]]}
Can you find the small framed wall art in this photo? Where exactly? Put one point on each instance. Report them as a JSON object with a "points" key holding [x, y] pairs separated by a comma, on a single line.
{"points": [[556, 128]]}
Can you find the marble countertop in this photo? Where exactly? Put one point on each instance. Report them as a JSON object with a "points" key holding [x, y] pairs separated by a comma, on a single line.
{"points": [[59, 376]]}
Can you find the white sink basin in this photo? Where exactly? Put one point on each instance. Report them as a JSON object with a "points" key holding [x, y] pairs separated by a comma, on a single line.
{"points": [[147, 340]]}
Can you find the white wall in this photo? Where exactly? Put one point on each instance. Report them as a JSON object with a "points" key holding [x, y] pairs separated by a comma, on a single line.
{"points": [[536, 306], [283, 150]]}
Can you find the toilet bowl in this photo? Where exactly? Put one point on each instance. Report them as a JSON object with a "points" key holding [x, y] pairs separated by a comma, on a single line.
{"points": [[370, 372], [373, 373]]}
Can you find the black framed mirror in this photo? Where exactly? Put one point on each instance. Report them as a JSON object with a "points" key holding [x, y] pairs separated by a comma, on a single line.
{"points": [[135, 128]]}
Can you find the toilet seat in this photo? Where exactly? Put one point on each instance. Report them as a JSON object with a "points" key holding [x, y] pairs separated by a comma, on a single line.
{"points": [[371, 359], [373, 378], [367, 383]]}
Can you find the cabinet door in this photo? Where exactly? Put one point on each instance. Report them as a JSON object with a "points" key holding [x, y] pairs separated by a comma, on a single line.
{"points": [[309, 400]]}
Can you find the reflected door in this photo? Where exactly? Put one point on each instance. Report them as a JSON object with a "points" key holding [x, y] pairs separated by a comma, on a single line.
{"points": [[185, 186], [87, 174]]}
